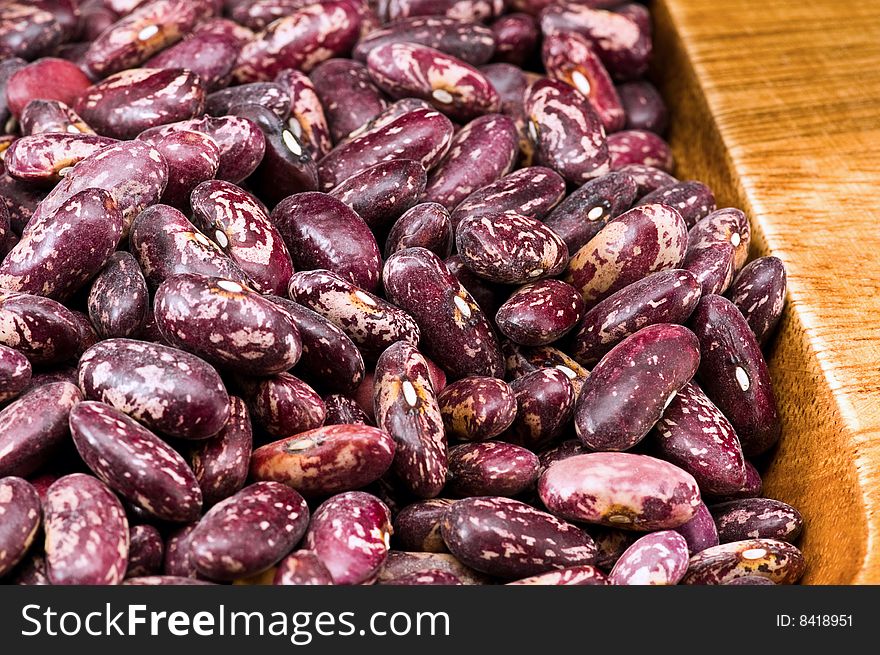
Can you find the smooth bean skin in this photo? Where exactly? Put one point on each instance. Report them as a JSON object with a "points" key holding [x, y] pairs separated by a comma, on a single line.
{"points": [[22, 513], [42, 329], [426, 225], [700, 532], [757, 518], [659, 558], [469, 41], [692, 199], [210, 55], [118, 298], [282, 404], [491, 468], [759, 293], [383, 192], [302, 567], [713, 267], [417, 526], [723, 226], [477, 408], [540, 313], [648, 178], [43, 159], [583, 575], [15, 373], [629, 147], [643, 106], [192, 158], [145, 552], [269, 95], [220, 463], [515, 38], [469, 10], [545, 400], [342, 410], [777, 561], [306, 118], [348, 95]]}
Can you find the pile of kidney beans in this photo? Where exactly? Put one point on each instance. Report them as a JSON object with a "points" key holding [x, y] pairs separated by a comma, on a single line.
{"points": [[397, 292]]}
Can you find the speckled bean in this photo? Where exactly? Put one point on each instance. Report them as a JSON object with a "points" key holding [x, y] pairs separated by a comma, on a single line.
{"points": [[401, 564], [342, 410], [468, 41], [43, 330], [757, 518], [643, 105], [540, 313], [15, 373], [647, 178], [21, 511], [45, 116], [269, 95], [192, 158], [516, 36], [302, 567], [477, 408], [759, 294], [659, 558], [464, 10], [220, 463], [349, 97], [700, 532], [491, 468], [426, 577], [145, 552], [545, 400], [777, 561], [43, 159], [426, 225], [210, 55], [582, 575], [521, 360], [282, 404], [118, 298], [306, 114], [28, 30], [417, 526], [693, 200]]}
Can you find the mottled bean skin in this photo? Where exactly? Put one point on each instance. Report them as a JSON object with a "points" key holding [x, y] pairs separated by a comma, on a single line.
{"points": [[350, 533], [9, 65], [118, 299], [127, 103], [269, 95], [401, 564], [564, 450], [700, 532], [43, 330], [15, 373], [192, 158], [713, 266], [648, 178], [531, 192], [759, 294], [349, 97], [209, 55], [477, 408], [456, 88], [629, 147], [509, 539], [465, 10], [145, 552], [241, 227], [488, 295], [663, 297], [43, 159], [248, 532], [521, 360], [342, 410], [427, 225], [582, 575], [426, 577], [643, 105], [220, 463], [659, 558], [371, 322], [734, 375], [327, 460], [417, 526], [422, 135], [471, 42], [406, 406], [18, 201], [516, 36], [302, 567], [545, 400], [693, 200], [282, 404], [642, 241], [21, 511], [567, 132], [757, 518], [620, 490], [83, 516], [491, 468], [166, 389], [135, 463], [57, 255], [632, 385], [540, 313], [226, 324], [419, 282], [322, 232], [27, 30], [164, 580], [779, 562]]}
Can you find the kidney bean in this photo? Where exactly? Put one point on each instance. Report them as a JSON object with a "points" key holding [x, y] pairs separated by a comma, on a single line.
{"points": [[401, 564], [342, 410], [751, 488], [567, 132], [166, 244], [329, 357], [225, 27], [724, 226], [269, 95], [301, 40], [530, 192], [659, 558], [648, 178], [302, 567], [307, 120], [43, 330], [641, 241], [192, 158], [516, 36], [241, 227], [759, 294], [493, 139], [209, 55], [420, 284], [257, 14], [477, 408], [509, 539], [779, 562], [282, 404], [177, 562], [509, 81], [487, 295], [241, 142], [27, 30], [249, 531], [427, 225], [692, 199], [118, 299], [422, 135], [226, 324], [66, 83], [426, 577], [712, 266], [326, 460], [43, 159], [405, 405], [734, 374], [584, 574], [163, 580], [21, 511], [464, 10], [643, 106], [145, 552], [348, 95], [629, 147], [82, 515], [757, 518], [417, 526], [45, 116], [509, 248], [166, 389], [621, 490], [9, 65], [15, 373], [540, 313], [220, 463], [468, 41], [570, 58], [700, 532], [545, 400], [381, 193], [349, 533], [371, 322], [491, 468]]}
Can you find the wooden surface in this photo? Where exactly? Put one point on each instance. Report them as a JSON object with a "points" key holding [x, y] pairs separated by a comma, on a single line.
{"points": [[776, 105]]}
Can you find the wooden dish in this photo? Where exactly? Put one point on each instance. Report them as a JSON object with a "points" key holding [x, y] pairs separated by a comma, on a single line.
{"points": [[776, 106]]}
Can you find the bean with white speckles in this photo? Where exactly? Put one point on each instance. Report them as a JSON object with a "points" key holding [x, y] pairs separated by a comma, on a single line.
{"points": [[239, 224], [269, 95], [306, 114], [620, 490], [631, 386], [488, 295], [177, 562], [227, 324], [491, 468], [469, 41], [43, 330], [659, 558], [692, 199], [567, 132], [426, 577], [401, 564], [629, 147], [350, 533], [582, 575], [145, 552], [477, 408], [44, 116], [515, 38], [779, 562], [164, 388], [643, 105], [417, 526], [425, 225], [724, 226], [135, 463], [422, 135], [248, 532], [163, 580], [713, 266], [21, 513], [28, 30], [540, 313], [342, 410], [282, 404], [406, 406], [734, 375], [759, 293], [42, 158], [349, 97], [463, 10], [647, 178], [83, 516], [15, 373], [322, 232], [326, 460], [302, 567], [118, 299], [454, 331], [211, 55], [9, 66], [521, 360], [757, 518], [192, 158], [220, 463], [545, 401], [700, 532], [509, 539]]}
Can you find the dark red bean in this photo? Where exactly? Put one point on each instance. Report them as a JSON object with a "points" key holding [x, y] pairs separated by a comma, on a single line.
{"points": [[727, 226], [302, 567], [269, 95], [15, 373], [342, 410], [545, 400], [192, 158], [643, 106], [282, 404], [700, 532], [629, 147], [540, 313], [307, 120], [757, 518], [759, 293], [145, 552], [648, 178], [491, 468], [43, 330], [43, 159], [220, 463], [427, 225], [777, 561], [66, 82], [471, 42], [713, 267], [210, 55], [584, 574], [692, 199], [348, 95], [477, 408], [27, 30], [516, 36], [417, 526], [21, 511], [402, 564]]}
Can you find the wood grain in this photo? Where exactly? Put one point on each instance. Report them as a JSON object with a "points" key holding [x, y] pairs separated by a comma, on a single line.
{"points": [[776, 105]]}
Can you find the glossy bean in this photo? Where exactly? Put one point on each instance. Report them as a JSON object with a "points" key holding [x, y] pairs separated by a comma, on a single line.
{"points": [[220, 463], [777, 561], [491, 468], [540, 313], [759, 294]]}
